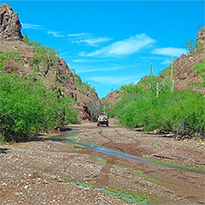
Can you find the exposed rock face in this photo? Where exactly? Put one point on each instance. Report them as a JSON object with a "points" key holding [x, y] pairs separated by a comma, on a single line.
{"points": [[201, 35], [10, 25], [12, 66], [113, 97], [183, 72]]}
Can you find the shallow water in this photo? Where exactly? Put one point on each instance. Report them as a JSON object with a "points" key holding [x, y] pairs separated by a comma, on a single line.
{"points": [[68, 137], [132, 157], [136, 198]]}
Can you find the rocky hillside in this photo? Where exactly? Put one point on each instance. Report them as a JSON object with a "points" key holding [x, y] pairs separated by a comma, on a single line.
{"points": [[11, 39], [184, 75]]}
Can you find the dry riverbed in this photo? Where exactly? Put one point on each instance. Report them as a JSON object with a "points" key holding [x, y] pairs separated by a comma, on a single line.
{"points": [[62, 172]]}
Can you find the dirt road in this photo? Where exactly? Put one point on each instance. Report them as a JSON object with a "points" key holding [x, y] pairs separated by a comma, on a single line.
{"points": [[62, 172]]}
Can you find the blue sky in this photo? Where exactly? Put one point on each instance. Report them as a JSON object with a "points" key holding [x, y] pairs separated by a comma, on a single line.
{"points": [[111, 43]]}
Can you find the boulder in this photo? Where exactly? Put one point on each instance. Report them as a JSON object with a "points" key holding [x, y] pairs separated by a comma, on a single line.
{"points": [[10, 26]]}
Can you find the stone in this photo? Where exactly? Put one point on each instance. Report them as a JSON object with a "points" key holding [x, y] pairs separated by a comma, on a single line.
{"points": [[201, 35], [10, 25]]}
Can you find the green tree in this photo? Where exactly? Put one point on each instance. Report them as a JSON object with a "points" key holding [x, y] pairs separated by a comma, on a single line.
{"points": [[46, 56], [200, 69], [106, 108], [28, 106], [191, 45], [179, 111], [195, 46], [30, 42]]}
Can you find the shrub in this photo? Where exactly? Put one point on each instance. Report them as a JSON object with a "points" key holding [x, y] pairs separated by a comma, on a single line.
{"points": [[2, 62], [13, 55], [167, 112], [29, 106]]}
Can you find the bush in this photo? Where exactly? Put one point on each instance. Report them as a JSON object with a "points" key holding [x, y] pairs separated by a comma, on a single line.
{"points": [[2, 63], [29, 106], [167, 113], [13, 55]]}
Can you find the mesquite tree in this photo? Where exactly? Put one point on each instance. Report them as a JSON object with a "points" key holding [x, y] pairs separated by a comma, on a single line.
{"points": [[46, 56]]}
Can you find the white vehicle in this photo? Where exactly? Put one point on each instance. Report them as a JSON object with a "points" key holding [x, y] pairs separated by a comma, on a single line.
{"points": [[103, 119]]}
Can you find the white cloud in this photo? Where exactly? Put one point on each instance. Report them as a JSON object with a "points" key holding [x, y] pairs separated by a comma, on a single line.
{"points": [[170, 51], [55, 34], [94, 41], [31, 26], [78, 34], [131, 45], [83, 61], [39, 27], [124, 47], [116, 80]]}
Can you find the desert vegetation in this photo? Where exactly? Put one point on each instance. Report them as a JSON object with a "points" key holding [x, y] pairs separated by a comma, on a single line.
{"points": [[28, 105], [156, 106]]}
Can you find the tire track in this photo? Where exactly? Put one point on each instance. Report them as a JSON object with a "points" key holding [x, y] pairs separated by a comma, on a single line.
{"points": [[103, 179]]}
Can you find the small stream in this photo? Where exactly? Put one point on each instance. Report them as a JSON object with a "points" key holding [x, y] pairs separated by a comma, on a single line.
{"points": [[137, 198], [68, 137]]}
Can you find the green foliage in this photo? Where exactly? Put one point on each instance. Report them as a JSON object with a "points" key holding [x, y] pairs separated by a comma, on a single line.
{"points": [[28, 106], [194, 46], [165, 72], [64, 77], [13, 55], [199, 27], [200, 69], [191, 45], [30, 42], [84, 87], [156, 83], [2, 62], [199, 46], [195, 86], [168, 112], [45, 56], [105, 107], [131, 89]]}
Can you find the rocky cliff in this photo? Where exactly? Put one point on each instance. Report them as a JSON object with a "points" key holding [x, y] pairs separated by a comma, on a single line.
{"points": [[184, 75], [11, 39], [10, 25]]}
